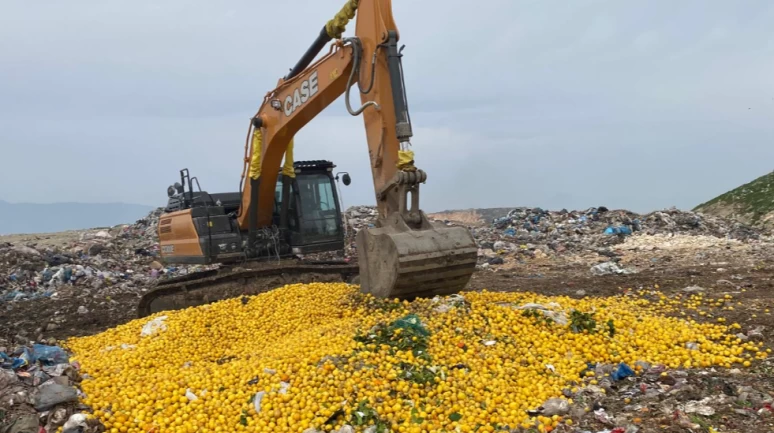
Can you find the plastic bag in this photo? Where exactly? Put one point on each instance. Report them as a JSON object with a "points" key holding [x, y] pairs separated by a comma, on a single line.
{"points": [[618, 230], [406, 160], [411, 322], [257, 401], [549, 311], [154, 326], [53, 394], [16, 362], [49, 355], [555, 406], [23, 424], [623, 371], [76, 421], [609, 268]]}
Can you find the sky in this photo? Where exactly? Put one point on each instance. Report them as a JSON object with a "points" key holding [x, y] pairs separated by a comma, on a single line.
{"points": [[638, 105]]}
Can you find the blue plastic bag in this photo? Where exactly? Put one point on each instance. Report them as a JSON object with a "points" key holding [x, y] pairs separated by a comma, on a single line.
{"points": [[49, 355], [68, 274], [622, 372], [618, 230], [16, 362]]}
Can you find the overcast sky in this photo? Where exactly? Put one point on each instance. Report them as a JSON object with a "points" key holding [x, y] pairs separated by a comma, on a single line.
{"points": [[638, 105]]}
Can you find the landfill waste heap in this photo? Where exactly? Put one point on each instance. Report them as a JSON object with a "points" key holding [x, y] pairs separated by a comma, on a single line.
{"points": [[323, 357], [99, 262], [598, 228], [126, 258], [597, 232]]}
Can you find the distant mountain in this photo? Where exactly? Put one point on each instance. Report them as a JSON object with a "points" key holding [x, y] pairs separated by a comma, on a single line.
{"points": [[751, 203], [18, 218]]}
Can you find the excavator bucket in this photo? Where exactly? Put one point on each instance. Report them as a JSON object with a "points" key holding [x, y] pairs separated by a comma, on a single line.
{"points": [[397, 261]]}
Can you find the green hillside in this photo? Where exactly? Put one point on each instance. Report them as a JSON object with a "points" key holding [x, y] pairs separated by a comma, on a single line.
{"points": [[751, 202]]}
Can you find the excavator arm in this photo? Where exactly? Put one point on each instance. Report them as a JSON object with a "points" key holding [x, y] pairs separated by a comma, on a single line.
{"points": [[286, 110], [301, 97], [405, 255]]}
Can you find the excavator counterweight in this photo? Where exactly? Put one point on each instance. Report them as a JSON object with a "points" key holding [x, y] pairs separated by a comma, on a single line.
{"points": [[283, 210]]}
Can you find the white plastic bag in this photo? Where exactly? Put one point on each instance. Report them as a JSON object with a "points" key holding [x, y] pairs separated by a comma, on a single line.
{"points": [[154, 326]]}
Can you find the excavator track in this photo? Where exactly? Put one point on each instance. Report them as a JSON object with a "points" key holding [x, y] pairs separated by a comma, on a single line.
{"points": [[205, 287]]}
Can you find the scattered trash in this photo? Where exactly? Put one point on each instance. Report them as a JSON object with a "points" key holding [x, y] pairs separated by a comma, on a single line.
{"points": [[50, 355], [700, 407], [682, 420], [618, 230], [548, 311], [610, 268], [257, 401], [98, 262], [447, 303], [154, 326], [603, 417], [24, 356], [756, 333], [284, 386], [52, 394], [555, 406], [622, 372], [345, 429], [533, 233], [190, 395], [77, 420], [23, 424]]}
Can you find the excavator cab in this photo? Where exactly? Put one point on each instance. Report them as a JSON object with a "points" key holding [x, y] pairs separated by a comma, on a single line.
{"points": [[199, 227], [313, 214]]}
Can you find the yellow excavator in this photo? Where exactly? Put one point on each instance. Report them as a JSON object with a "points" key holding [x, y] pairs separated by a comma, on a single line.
{"points": [[284, 211]]}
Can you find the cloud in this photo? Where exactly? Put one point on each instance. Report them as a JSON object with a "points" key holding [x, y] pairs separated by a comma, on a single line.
{"points": [[638, 105]]}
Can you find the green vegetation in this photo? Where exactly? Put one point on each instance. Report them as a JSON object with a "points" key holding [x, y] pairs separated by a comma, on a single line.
{"points": [[752, 200]]}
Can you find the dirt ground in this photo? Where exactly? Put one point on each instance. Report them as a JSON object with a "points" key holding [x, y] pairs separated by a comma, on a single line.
{"points": [[745, 273]]}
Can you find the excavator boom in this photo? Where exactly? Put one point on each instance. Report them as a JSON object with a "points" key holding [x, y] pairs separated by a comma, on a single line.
{"points": [[405, 255]]}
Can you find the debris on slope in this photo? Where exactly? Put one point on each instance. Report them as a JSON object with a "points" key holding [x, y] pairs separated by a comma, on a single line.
{"points": [[39, 391], [358, 218], [101, 262], [534, 233], [94, 267], [598, 235], [752, 202]]}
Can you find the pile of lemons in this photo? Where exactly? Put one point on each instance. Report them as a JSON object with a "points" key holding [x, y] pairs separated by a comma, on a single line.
{"points": [[322, 356]]}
